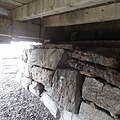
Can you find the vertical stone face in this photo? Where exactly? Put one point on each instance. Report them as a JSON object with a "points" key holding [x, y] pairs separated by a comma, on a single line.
{"points": [[50, 104], [61, 71], [67, 85], [45, 58], [36, 88], [103, 95], [24, 68], [88, 112], [42, 75], [110, 75]]}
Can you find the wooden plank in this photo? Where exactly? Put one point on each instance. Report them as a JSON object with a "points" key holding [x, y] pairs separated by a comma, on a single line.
{"points": [[103, 13], [41, 8]]}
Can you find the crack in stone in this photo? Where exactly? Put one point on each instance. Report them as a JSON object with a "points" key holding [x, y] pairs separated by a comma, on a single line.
{"points": [[99, 108]]}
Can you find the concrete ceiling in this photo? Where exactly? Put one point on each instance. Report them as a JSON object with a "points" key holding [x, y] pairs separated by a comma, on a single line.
{"points": [[12, 4]]}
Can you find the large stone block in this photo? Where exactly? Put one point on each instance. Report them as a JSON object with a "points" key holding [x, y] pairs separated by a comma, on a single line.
{"points": [[24, 68], [65, 115], [103, 95], [67, 85], [36, 88], [103, 56], [112, 76], [25, 82], [41, 75], [88, 112], [45, 58], [50, 104]]}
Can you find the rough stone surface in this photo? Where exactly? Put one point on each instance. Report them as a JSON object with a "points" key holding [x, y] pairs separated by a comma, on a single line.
{"points": [[62, 70], [65, 115], [17, 103], [53, 46], [36, 88], [97, 58], [67, 85], [25, 82], [51, 105], [103, 95], [41, 75], [24, 68], [88, 112], [45, 58], [25, 55], [110, 75]]}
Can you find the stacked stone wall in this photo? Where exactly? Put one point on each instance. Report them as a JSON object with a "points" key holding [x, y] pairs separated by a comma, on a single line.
{"points": [[73, 83]]}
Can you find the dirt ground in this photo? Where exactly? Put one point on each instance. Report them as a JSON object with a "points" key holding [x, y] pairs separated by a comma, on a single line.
{"points": [[15, 102]]}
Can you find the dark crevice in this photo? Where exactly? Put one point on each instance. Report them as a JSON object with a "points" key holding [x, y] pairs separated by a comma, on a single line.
{"points": [[82, 79], [105, 82], [42, 67]]}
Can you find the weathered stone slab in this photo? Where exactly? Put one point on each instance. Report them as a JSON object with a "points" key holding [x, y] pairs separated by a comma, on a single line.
{"points": [[51, 105], [53, 46], [25, 82], [24, 56], [42, 75], [103, 95], [110, 75], [67, 85], [36, 88], [103, 58], [45, 58], [24, 68], [88, 112], [65, 115]]}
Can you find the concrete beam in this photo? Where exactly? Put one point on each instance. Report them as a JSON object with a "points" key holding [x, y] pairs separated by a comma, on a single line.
{"points": [[14, 28], [4, 12], [103, 13], [42, 8]]}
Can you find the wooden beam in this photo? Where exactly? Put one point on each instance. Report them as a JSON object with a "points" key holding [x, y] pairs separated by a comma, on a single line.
{"points": [[103, 13], [42, 8]]}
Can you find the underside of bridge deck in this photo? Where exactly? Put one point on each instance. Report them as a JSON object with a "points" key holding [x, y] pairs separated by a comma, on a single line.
{"points": [[74, 66]]}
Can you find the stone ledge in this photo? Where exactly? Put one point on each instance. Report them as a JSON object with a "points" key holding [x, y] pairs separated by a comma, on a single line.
{"points": [[45, 58], [88, 112], [52, 106], [110, 75], [103, 95], [41, 75]]}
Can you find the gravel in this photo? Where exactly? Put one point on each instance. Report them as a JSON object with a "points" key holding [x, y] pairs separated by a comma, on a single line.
{"points": [[16, 103]]}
